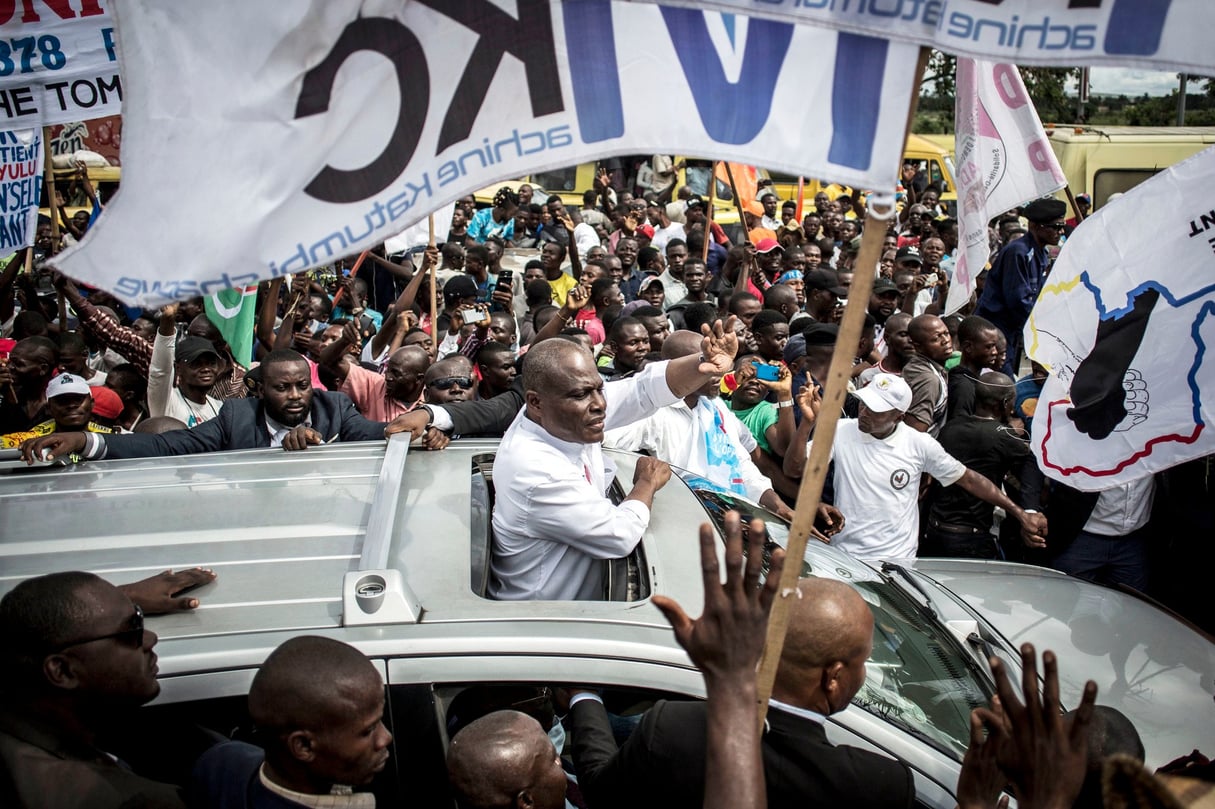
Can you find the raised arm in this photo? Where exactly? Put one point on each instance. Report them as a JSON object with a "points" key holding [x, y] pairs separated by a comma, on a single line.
{"points": [[266, 315], [809, 401], [399, 270], [575, 300], [336, 355], [8, 280], [575, 260]]}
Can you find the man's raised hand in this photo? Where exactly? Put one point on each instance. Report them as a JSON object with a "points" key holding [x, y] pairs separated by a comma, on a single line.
{"points": [[718, 347], [1043, 755]]}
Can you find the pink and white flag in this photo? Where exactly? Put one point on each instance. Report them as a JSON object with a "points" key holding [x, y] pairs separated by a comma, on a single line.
{"points": [[1003, 160]]}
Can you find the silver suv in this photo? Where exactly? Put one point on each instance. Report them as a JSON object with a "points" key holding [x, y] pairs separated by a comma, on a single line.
{"points": [[388, 549]]}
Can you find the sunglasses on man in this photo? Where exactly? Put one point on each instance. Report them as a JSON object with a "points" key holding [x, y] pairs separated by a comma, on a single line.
{"points": [[448, 382], [132, 635]]}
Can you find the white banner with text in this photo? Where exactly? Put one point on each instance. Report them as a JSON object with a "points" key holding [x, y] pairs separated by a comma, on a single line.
{"points": [[1157, 34], [21, 157], [334, 126], [58, 63]]}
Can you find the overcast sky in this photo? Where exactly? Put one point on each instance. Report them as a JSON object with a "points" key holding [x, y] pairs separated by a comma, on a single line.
{"points": [[1132, 81]]}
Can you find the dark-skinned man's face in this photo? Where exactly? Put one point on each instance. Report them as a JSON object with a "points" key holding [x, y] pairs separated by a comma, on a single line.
{"points": [[631, 347], [70, 411], [287, 392]]}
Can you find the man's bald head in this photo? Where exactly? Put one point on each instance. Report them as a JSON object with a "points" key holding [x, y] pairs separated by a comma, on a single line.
{"points": [[898, 321], [309, 681], [993, 390], [829, 638], [548, 362], [501, 757], [682, 343]]}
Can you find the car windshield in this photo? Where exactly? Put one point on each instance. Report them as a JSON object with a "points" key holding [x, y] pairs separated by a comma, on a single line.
{"points": [[918, 677]]}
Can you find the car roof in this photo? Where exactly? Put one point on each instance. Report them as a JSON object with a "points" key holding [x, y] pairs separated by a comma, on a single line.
{"points": [[283, 529]]}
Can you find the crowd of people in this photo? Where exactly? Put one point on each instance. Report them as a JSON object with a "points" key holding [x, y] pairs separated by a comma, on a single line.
{"points": [[634, 322]]}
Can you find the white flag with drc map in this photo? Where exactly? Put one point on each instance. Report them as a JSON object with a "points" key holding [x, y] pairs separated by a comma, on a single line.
{"points": [[1124, 324], [311, 131]]}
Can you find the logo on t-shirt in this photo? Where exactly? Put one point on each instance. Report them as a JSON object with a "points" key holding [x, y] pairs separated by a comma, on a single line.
{"points": [[900, 478]]}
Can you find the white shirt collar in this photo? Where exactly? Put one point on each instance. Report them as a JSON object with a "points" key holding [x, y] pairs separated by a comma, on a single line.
{"points": [[804, 713], [279, 431]]}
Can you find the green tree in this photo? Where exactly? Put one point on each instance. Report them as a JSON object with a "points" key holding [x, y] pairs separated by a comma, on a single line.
{"points": [[1046, 87]]}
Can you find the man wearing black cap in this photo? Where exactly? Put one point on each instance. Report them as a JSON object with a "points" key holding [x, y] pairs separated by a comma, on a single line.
{"points": [[459, 292], [823, 292], [181, 373], [883, 301], [1016, 276]]}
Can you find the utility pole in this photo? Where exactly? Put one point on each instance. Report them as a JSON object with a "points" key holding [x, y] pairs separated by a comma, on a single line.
{"points": [[1081, 95], [1181, 100]]}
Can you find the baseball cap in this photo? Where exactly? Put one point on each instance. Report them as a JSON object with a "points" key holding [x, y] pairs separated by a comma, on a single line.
{"points": [[767, 246], [646, 230], [460, 286], [908, 254], [1083, 198], [65, 384], [106, 403], [886, 392], [827, 280], [191, 348], [820, 334], [884, 285], [649, 281], [795, 349], [695, 201]]}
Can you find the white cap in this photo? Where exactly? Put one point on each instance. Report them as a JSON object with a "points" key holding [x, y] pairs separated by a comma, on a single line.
{"points": [[67, 383], [886, 392]]}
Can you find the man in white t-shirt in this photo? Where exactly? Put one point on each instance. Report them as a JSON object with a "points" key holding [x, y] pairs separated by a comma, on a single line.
{"points": [[878, 464]]}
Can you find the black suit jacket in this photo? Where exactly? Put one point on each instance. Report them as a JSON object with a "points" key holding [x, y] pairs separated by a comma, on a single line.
{"points": [[241, 424], [487, 416], [40, 769], [662, 763]]}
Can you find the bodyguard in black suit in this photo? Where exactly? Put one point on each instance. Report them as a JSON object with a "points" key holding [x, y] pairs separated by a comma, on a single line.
{"points": [[822, 667], [290, 414]]}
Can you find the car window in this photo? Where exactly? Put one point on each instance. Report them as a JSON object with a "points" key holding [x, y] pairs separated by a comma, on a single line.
{"points": [[697, 175], [625, 579], [558, 180], [918, 677]]}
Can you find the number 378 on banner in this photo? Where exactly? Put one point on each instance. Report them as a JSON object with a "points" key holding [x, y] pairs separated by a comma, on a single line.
{"points": [[58, 64]]}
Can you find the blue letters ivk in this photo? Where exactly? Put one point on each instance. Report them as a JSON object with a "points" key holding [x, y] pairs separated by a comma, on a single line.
{"points": [[731, 112]]}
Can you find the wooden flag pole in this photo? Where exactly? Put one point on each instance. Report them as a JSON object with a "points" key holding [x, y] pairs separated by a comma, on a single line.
{"points": [[48, 181], [751, 265], [836, 386], [434, 294], [1067, 189], [704, 250]]}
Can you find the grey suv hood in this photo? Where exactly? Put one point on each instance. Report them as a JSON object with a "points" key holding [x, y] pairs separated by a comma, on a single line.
{"points": [[1146, 663]]}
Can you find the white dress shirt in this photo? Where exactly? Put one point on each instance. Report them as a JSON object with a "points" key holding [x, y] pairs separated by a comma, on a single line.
{"points": [[279, 431], [675, 434], [1122, 509], [553, 524]]}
